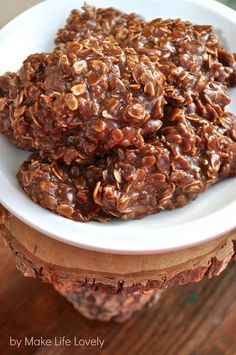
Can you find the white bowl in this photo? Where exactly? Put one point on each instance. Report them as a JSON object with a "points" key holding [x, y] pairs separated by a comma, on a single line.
{"points": [[211, 215]]}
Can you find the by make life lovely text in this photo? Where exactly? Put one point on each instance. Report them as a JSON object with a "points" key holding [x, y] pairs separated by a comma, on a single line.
{"points": [[56, 341]]}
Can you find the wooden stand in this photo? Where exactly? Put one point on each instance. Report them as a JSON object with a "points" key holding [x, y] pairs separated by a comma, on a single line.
{"points": [[109, 286]]}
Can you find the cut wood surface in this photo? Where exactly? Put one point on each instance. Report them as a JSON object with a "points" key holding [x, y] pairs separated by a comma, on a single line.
{"points": [[55, 262], [193, 319]]}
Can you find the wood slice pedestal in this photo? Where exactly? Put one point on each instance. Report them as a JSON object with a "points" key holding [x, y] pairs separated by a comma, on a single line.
{"points": [[110, 286]]}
